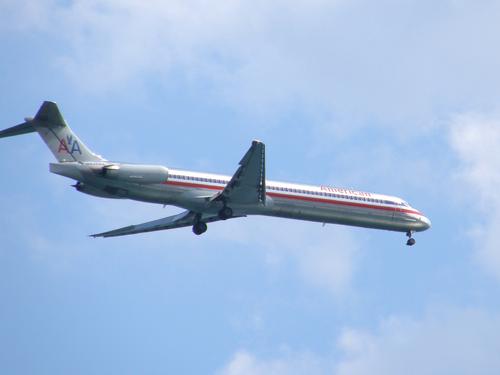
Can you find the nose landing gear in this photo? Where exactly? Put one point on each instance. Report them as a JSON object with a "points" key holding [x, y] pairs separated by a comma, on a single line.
{"points": [[411, 241]]}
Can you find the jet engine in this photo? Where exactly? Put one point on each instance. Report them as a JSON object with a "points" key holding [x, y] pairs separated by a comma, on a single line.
{"points": [[90, 190], [138, 173]]}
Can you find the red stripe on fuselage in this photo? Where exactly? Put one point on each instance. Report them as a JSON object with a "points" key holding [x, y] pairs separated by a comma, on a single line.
{"points": [[340, 203], [299, 198], [193, 185]]}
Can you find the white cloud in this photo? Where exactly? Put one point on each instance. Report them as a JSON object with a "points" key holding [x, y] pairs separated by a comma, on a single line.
{"points": [[444, 341], [331, 263], [475, 139], [356, 61], [112, 43], [323, 257], [244, 363]]}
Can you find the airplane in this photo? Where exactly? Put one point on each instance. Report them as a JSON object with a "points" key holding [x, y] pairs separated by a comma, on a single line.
{"points": [[208, 197]]}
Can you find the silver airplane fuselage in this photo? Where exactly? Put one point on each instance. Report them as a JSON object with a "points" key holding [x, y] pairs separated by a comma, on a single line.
{"points": [[192, 191], [210, 197]]}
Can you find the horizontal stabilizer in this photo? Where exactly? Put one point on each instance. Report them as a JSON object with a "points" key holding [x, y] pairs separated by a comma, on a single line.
{"points": [[50, 125], [24, 128]]}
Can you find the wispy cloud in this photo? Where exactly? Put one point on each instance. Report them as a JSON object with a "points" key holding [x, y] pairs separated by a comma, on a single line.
{"points": [[475, 139], [331, 59], [444, 341], [447, 340], [245, 363], [322, 257]]}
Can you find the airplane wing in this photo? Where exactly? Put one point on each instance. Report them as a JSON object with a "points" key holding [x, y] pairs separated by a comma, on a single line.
{"points": [[248, 184], [184, 219]]}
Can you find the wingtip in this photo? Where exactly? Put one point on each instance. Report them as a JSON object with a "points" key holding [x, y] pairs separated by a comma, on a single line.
{"points": [[97, 235]]}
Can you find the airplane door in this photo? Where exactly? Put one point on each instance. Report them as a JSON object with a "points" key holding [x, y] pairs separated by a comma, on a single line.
{"points": [[395, 212]]}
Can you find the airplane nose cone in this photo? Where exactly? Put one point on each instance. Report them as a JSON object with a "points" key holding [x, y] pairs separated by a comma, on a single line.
{"points": [[426, 223]]}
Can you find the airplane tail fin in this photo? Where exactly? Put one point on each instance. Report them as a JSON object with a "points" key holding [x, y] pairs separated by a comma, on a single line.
{"points": [[55, 132]]}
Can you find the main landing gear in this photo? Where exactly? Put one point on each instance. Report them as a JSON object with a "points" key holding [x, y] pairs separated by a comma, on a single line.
{"points": [[225, 213], [411, 241], [199, 228]]}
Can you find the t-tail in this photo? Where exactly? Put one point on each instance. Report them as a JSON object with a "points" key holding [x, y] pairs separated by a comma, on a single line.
{"points": [[55, 132]]}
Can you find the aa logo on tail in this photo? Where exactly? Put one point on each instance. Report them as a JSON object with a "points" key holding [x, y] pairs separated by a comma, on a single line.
{"points": [[65, 144]]}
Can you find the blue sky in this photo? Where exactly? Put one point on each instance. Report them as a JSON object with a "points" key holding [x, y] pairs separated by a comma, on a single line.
{"points": [[397, 97]]}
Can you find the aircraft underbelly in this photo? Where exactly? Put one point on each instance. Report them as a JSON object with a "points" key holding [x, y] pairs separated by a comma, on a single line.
{"points": [[336, 214]]}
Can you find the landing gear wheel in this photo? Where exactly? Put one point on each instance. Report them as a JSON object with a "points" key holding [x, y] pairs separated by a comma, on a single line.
{"points": [[199, 228], [411, 241], [225, 213]]}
